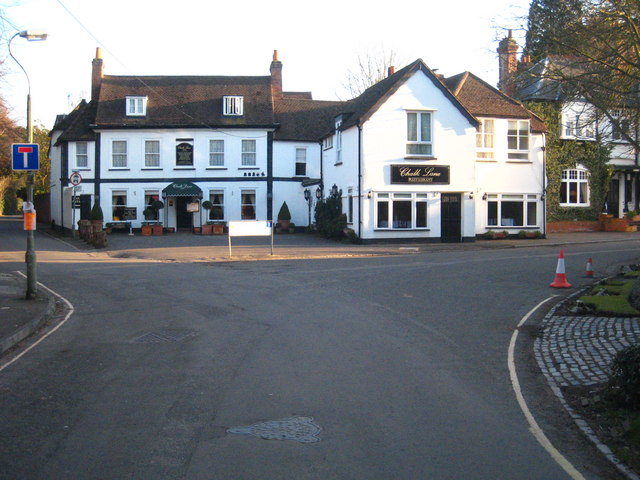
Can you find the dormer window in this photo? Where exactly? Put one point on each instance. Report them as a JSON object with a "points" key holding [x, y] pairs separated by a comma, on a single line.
{"points": [[233, 105], [136, 106]]}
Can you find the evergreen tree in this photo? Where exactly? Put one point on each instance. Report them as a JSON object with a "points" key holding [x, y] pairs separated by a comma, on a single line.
{"points": [[547, 25]]}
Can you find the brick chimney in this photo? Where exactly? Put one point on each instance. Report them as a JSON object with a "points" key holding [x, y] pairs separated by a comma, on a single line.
{"points": [[391, 70], [508, 64], [276, 76], [97, 72]]}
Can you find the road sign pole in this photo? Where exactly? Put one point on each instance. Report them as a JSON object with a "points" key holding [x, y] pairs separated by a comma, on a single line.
{"points": [[30, 255]]}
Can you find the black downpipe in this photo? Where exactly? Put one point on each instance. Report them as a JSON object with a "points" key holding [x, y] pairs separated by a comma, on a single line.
{"points": [[359, 181]]}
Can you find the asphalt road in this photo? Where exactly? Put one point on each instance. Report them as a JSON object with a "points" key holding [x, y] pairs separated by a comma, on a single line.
{"points": [[401, 361]]}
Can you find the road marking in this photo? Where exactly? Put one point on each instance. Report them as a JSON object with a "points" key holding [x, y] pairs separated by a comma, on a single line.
{"points": [[62, 322], [534, 428]]}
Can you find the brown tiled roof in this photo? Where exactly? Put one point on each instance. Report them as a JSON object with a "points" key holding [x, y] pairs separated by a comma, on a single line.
{"points": [[302, 119], [184, 101], [76, 124], [483, 100]]}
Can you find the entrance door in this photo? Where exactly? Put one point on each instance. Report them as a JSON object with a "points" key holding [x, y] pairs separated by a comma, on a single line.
{"points": [[450, 217], [184, 219], [613, 198], [85, 207]]}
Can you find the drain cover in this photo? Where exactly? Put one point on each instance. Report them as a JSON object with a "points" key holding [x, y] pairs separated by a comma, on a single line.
{"points": [[164, 335], [299, 429]]}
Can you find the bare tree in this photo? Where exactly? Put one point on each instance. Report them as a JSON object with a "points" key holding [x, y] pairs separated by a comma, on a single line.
{"points": [[372, 67]]}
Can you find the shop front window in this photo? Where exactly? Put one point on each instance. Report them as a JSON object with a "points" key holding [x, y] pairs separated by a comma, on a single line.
{"points": [[401, 211], [512, 210]]}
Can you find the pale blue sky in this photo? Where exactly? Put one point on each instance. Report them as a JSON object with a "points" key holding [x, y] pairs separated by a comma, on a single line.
{"points": [[317, 42]]}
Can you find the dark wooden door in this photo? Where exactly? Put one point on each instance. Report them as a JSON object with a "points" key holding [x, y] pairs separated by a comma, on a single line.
{"points": [[184, 219], [451, 217]]}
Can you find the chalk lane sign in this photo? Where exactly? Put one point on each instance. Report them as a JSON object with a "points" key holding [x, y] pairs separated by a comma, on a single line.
{"points": [[421, 174]]}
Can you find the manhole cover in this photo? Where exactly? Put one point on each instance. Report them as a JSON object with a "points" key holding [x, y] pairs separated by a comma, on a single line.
{"points": [[162, 336], [298, 429]]}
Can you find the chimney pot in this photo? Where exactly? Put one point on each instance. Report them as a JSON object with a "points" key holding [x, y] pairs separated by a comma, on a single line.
{"points": [[391, 70]]}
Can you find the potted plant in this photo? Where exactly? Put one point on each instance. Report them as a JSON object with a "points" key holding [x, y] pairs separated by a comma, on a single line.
{"points": [[147, 228], [284, 217], [96, 216], [207, 228], [292, 227]]}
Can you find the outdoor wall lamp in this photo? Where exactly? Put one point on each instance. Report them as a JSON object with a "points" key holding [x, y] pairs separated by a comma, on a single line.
{"points": [[334, 190], [318, 193]]}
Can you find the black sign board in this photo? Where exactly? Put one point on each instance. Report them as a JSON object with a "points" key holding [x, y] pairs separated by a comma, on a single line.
{"points": [[130, 213], [420, 174], [184, 154]]}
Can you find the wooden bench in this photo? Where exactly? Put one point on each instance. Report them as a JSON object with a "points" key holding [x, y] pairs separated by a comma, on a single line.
{"points": [[110, 226]]}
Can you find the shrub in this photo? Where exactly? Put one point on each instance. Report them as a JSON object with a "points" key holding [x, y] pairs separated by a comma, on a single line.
{"points": [[330, 220], [284, 213], [8, 197], [96, 212], [624, 381]]}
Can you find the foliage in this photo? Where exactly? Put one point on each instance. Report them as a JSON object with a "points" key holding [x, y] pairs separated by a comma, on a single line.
{"points": [[8, 199], [96, 212], [42, 178], [284, 213], [207, 205], [567, 154], [624, 381], [600, 45], [330, 221], [611, 298]]}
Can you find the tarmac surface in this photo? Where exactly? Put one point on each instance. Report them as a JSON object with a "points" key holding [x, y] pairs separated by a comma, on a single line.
{"points": [[572, 351]]}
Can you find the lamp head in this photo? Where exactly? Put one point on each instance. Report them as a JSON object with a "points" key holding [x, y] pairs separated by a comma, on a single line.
{"points": [[33, 35]]}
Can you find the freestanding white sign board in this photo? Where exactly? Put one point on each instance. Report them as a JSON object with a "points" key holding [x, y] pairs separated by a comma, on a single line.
{"points": [[251, 228]]}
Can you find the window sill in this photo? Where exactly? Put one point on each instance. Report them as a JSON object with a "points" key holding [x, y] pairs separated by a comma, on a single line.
{"points": [[81, 169], [337, 164], [184, 168], [216, 168], [152, 168], [573, 205], [401, 229], [420, 157], [486, 160], [518, 161], [248, 168], [119, 169]]}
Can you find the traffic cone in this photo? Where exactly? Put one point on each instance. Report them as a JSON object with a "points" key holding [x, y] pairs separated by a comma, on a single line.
{"points": [[561, 279], [589, 273]]}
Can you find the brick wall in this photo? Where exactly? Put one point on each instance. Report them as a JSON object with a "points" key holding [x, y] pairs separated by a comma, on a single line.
{"points": [[565, 227]]}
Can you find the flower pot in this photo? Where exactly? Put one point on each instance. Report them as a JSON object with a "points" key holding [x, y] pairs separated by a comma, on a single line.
{"points": [[207, 229], [157, 229], [147, 230], [218, 228]]}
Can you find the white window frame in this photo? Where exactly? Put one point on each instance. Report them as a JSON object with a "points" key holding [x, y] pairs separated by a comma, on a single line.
{"points": [[249, 152], [528, 200], [327, 143], [485, 139], [338, 142], [233, 105], [152, 158], [518, 145], [151, 193], [136, 106], [580, 178], [243, 205], [114, 206], [122, 156], [419, 140], [417, 200], [217, 205], [301, 159], [82, 157], [216, 152]]}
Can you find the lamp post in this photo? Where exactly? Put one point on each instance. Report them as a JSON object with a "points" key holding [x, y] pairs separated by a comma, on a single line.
{"points": [[30, 255], [309, 199]]}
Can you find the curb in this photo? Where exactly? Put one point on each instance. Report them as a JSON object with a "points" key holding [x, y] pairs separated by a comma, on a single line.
{"points": [[32, 325], [580, 422]]}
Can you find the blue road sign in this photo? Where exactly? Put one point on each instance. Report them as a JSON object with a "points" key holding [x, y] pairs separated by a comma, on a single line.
{"points": [[25, 156]]}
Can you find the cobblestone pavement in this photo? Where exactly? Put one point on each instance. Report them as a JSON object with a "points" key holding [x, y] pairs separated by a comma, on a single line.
{"points": [[576, 350]]}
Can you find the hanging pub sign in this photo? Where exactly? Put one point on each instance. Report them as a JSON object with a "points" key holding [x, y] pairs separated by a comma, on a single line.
{"points": [[420, 174], [184, 152]]}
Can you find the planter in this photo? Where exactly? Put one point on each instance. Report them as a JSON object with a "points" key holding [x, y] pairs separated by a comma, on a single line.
{"points": [[218, 228], [157, 229], [196, 229], [147, 230], [284, 224], [207, 229]]}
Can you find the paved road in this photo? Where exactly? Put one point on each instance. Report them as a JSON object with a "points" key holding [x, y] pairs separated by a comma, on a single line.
{"points": [[401, 361]]}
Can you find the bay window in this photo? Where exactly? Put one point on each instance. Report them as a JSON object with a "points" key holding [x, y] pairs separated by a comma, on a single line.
{"points": [[401, 211]]}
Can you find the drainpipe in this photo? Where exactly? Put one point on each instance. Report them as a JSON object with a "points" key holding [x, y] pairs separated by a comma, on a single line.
{"points": [[359, 181], [544, 186]]}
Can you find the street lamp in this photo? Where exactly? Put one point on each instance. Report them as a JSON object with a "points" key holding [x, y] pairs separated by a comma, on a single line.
{"points": [[30, 256], [309, 199]]}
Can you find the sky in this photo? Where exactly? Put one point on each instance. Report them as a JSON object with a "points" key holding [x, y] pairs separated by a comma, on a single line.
{"points": [[318, 43]]}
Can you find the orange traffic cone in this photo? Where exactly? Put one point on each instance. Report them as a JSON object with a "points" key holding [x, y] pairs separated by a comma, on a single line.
{"points": [[561, 279], [589, 273]]}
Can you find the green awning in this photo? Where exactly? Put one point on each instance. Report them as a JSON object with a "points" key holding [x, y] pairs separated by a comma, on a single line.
{"points": [[182, 189]]}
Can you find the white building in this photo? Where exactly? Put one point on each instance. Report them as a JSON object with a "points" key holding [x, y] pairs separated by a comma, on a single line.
{"points": [[416, 156]]}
